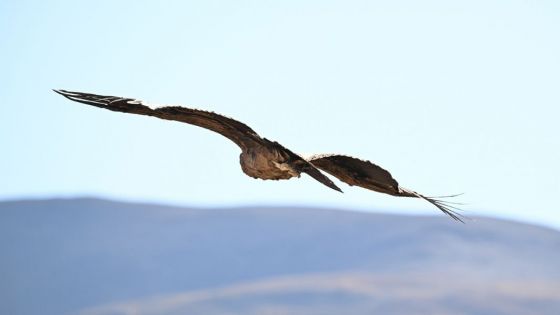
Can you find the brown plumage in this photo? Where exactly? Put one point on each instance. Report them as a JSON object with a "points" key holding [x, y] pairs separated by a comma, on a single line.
{"points": [[265, 159], [356, 172]]}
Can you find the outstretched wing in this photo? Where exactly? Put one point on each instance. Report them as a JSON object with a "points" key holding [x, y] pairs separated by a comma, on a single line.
{"points": [[365, 174], [356, 172], [234, 130]]}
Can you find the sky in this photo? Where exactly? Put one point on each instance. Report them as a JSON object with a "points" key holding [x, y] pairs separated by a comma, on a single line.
{"points": [[449, 96]]}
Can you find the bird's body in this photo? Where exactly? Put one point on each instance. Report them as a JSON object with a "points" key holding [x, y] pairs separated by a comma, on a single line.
{"points": [[265, 159], [267, 162]]}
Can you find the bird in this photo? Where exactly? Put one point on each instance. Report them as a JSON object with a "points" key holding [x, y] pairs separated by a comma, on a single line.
{"points": [[261, 158]]}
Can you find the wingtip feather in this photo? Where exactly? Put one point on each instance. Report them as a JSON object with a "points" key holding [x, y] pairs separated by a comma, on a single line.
{"points": [[445, 206]]}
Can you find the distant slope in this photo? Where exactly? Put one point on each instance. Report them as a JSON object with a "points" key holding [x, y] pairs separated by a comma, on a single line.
{"points": [[63, 256], [356, 293]]}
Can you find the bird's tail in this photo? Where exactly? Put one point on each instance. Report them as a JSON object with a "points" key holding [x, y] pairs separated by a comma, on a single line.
{"points": [[320, 177]]}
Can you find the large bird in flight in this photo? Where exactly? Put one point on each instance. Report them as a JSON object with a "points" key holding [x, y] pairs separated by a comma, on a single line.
{"points": [[265, 159]]}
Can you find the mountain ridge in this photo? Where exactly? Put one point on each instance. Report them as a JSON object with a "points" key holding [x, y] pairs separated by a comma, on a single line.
{"points": [[118, 251], [259, 207]]}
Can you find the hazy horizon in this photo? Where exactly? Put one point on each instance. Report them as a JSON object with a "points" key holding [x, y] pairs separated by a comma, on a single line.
{"points": [[469, 218]]}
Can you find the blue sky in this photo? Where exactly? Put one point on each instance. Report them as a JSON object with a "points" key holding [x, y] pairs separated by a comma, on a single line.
{"points": [[449, 96]]}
